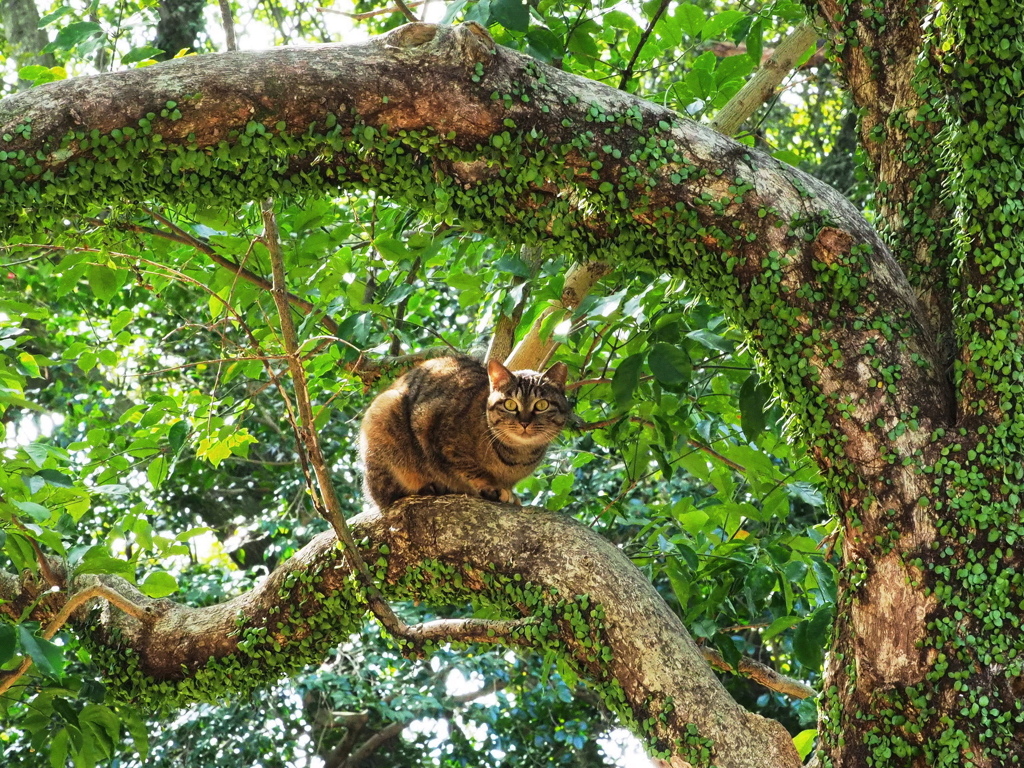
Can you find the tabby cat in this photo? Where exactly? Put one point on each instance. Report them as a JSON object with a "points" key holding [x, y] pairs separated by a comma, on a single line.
{"points": [[454, 425]]}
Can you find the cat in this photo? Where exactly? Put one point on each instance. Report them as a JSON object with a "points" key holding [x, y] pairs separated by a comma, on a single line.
{"points": [[455, 425]]}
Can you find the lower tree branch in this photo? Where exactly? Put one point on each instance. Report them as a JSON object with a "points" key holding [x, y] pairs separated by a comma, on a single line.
{"points": [[585, 593], [371, 745]]}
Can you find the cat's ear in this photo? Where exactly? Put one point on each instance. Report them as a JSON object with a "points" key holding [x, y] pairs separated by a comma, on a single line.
{"points": [[557, 374], [499, 375]]}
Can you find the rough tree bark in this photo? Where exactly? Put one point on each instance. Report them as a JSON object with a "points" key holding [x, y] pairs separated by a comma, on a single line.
{"points": [[444, 120]]}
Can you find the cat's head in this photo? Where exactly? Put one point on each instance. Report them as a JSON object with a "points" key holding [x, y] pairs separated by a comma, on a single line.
{"points": [[527, 407]]}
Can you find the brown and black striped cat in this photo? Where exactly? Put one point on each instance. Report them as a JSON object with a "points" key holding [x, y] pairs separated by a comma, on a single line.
{"points": [[454, 425]]}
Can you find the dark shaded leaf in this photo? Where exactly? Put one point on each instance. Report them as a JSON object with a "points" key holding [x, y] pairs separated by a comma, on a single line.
{"points": [[626, 378]]}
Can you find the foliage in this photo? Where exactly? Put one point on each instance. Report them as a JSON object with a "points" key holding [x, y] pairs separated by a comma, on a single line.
{"points": [[146, 434]]}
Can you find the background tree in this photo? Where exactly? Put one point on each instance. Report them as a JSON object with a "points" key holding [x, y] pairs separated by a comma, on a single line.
{"points": [[167, 413]]}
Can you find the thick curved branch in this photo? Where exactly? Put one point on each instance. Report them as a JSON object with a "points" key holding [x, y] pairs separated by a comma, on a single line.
{"points": [[461, 549], [599, 172]]}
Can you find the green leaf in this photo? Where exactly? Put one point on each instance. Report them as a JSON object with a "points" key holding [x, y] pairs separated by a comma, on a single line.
{"points": [[37, 452], [391, 248], [804, 742], [55, 478], [176, 435], [670, 365], [511, 14], [786, 155], [51, 17], [733, 68], [159, 584], [826, 574], [7, 642], [514, 265], [753, 397], [73, 34], [687, 554], [711, 340], [781, 624], [156, 472], [626, 378], [92, 690], [59, 749], [37, 512], [582, 458], [47, 657], [32, 72], [97, 559], [216, 450], [119, 321], [138, 54], [104, 726], [102, 280], [755, 42], [139, 730], [679, 580], [704, 628], [691, 19], [727, 646], [811, 636], [719, 23]]}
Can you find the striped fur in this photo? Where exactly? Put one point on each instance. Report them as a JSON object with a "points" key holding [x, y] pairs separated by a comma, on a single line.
{"points": [[454, 425]]}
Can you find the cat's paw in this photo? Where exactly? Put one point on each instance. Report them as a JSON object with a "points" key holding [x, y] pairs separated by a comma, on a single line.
{"points": [[501, 495]]}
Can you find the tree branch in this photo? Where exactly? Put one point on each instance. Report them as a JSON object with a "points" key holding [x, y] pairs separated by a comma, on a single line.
{"points": [[627, 73], [448, 548], [308, 439], [757, 90], [761, 673], [229, 24], [533, 351], [76, 601], [793, 264]]}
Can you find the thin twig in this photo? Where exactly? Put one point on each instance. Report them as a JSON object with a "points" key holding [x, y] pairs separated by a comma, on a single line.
{"points": [[371, 14], [585, 426], [627, 73], [308, 438], [406, 10], [311, 456], [752, 95], [206, 249], [345, 758], [44, 564]]}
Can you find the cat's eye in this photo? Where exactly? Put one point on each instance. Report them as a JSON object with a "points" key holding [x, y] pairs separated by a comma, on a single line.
{"points": [[511, 405], [541, 405]]}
